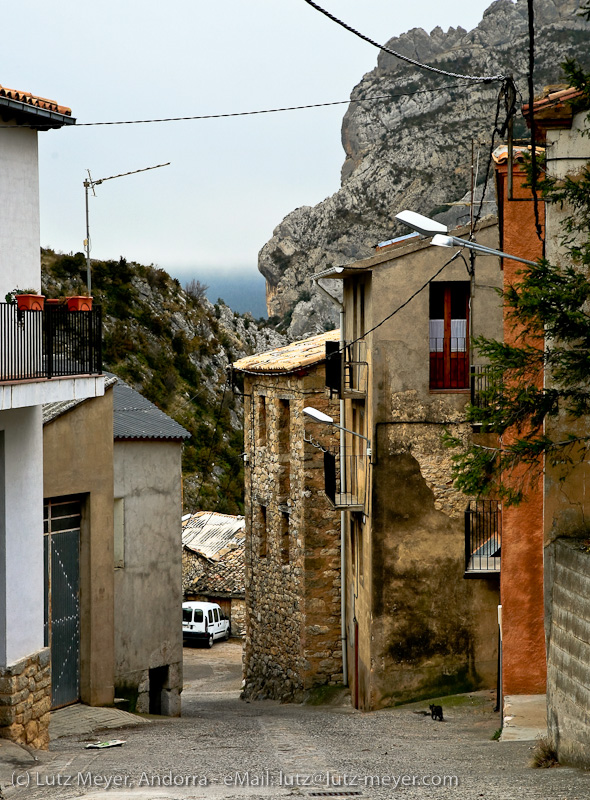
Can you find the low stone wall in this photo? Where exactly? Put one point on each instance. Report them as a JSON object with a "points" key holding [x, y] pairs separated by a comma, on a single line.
{"points": [[25, 700], [567, 598]]}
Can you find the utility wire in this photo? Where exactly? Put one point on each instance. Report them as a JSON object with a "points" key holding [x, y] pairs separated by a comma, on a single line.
{"points": [[478, 78], [378, 325], [403, 305], [266, 110]]}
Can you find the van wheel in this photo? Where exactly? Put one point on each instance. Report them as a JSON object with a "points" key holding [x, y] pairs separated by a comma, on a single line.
{"points": [[210, 640], [226, 637]]}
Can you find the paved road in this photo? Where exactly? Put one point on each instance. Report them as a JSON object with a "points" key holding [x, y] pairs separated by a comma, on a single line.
{"points": [[223, 748]]}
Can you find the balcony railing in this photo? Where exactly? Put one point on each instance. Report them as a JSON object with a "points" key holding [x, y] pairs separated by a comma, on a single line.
{"points": [[483, 538], [347, 369], [345, 490], [484, 387], [51, 343]]}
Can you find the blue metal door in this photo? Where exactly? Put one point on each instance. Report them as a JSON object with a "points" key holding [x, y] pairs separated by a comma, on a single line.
{"points": [[62, 597]]}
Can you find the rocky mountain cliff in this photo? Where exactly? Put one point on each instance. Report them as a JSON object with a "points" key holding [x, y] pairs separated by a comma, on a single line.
{"points": [[413, 150], [174, 346]]}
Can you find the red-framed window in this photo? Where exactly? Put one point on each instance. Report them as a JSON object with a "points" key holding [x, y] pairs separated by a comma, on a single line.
{"points": [[449, 335]]}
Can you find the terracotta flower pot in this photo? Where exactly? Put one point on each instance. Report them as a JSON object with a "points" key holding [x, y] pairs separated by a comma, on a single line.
{"points": [[30, 302], [79, 303]]}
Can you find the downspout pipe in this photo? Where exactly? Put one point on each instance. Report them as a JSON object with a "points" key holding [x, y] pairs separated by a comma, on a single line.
{"points": [[343, 635]]}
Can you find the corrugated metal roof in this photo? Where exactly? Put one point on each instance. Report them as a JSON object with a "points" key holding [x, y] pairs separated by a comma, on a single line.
{"points": [[135, 417], [53, 410], [213, 535], [292, 357]]}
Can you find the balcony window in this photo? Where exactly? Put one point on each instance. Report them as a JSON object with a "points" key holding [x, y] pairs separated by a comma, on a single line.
{"points": [[449, 335], [483, 538]]}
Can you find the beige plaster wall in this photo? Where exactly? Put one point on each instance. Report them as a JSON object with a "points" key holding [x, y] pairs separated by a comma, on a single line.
{"points": [[78, 459], [423, 629], [148, 588]]}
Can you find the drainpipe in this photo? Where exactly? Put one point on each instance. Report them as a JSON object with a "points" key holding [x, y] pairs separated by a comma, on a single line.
{"points": [[343, 636]]}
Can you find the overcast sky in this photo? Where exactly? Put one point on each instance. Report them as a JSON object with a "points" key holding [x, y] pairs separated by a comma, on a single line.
{"points": [[231, 181]]}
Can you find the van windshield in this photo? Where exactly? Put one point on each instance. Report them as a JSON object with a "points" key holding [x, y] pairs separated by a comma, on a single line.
{"points": [[187, 615]]}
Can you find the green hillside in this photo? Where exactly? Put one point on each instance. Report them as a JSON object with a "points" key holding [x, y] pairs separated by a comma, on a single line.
{"points": [[174, 347]]}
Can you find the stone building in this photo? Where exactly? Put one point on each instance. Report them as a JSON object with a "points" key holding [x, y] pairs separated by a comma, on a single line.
{"points": [[293, 623], [213, 563], [415, 627]]}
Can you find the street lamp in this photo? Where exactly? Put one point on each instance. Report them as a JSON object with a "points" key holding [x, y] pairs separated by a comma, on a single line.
{"points": [[90, 184], [319, 416], [441, 238]]}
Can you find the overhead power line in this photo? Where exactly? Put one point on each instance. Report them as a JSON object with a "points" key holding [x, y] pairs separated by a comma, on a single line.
{"points": [[271, 110], [478, 78]]}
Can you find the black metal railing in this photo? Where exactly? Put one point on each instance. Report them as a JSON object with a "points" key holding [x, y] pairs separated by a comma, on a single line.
{"points": [[356, 368], [485, 388], [483, 537], [51, 343], [347, 369], [345, 479]]}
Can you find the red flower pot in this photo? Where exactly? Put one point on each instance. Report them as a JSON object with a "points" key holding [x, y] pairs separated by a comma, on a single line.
{"points": [[30, 302], [79, 303]]}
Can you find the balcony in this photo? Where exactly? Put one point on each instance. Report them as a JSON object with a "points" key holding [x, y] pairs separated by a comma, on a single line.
{"points": [[347, 369], [53, 343], [345, 491], [483, 538]]}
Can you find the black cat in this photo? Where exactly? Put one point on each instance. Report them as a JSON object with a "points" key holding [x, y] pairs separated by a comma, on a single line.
{"points": [[436, 712]]}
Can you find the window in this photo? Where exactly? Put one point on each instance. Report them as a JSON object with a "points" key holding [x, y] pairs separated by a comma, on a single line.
{"points": [[211, 615], [285, 538], [262, 532], [187, 615], [262, 420], [216, 613], [284, 421], [449, 335]]}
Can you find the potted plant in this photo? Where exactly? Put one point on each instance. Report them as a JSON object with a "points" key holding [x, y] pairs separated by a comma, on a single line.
{"points": [[79, 303], [26, 299]]}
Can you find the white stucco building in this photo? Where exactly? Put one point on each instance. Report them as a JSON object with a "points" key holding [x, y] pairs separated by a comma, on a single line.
{"points": [[29, 376]]}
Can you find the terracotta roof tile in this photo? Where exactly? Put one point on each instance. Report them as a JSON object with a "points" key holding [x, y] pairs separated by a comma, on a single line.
{"points": [[33, 100], [500, 154], [291, 358]]}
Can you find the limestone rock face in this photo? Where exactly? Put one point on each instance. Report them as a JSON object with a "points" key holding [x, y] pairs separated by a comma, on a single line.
{"points": [[414, 149]]}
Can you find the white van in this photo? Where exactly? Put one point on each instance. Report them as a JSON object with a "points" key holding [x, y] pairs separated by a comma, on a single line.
{"points": [[204, 622]]}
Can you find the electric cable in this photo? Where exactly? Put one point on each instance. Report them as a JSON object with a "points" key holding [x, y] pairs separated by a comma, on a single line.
{"points": [[378, 325], [263, 110], [477, 78]]}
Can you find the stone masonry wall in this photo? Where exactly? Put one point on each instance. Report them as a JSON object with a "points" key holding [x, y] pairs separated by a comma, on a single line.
{"points": [[567, 598], [289, 634], [25, 700], [323, 635]]}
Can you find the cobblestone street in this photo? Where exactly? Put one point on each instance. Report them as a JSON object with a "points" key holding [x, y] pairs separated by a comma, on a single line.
{"points": [[225, 748]]}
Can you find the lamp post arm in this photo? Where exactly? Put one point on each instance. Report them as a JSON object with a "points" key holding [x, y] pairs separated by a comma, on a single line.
{"points": [[481, 248]]}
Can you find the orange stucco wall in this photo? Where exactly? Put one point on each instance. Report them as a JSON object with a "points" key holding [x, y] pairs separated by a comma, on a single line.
{"points": [[521, 579]]}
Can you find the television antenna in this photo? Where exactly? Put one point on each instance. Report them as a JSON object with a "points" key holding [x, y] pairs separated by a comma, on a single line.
{"points": [[90, 183]]}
